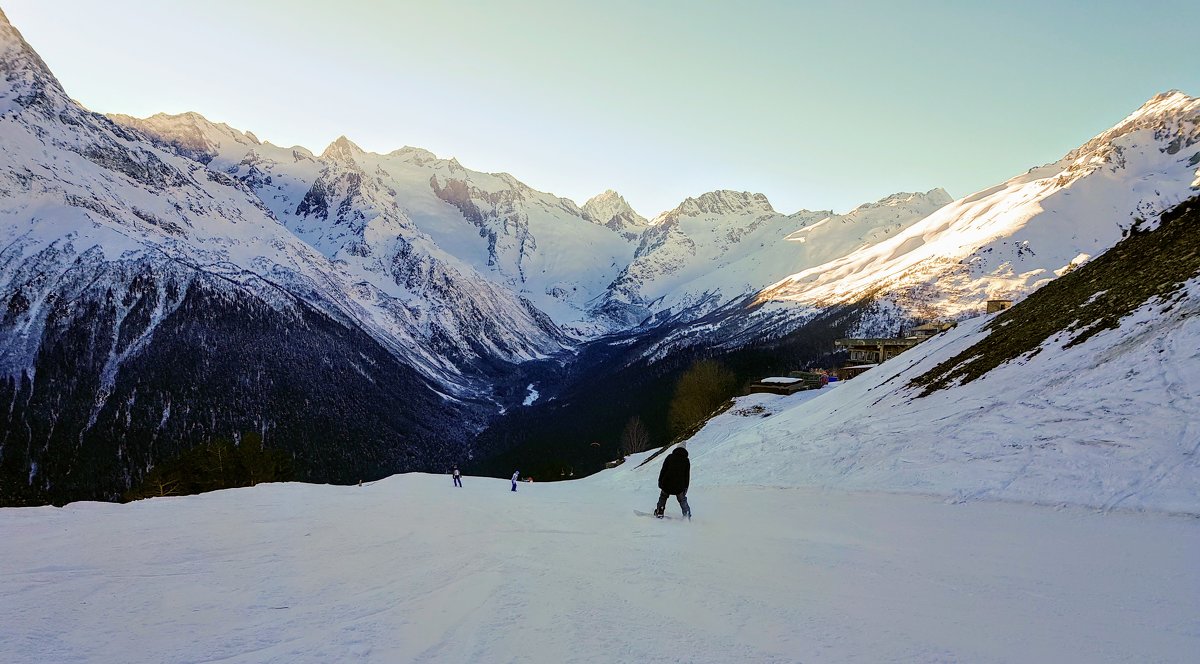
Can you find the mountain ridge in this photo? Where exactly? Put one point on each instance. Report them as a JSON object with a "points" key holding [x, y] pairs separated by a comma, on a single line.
{"points": [[462, 283]]}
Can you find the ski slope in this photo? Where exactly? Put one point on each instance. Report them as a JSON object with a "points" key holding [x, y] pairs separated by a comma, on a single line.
{"points": [[1110, 423], [410, 569]]}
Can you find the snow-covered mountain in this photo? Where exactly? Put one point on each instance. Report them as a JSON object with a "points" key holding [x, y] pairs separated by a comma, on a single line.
{"points": [[449, 235], [1000, 243], [726, 245], [151, 303], [1085, 393], [919, 255], [1005, 241], [130, 243]]}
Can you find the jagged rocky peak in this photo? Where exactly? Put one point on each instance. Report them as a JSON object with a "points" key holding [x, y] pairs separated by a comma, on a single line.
{"points": [[190, 133], [27, 82], [343, 150], [724, 202], [16, 54], [1173, 116], [610, 209]]}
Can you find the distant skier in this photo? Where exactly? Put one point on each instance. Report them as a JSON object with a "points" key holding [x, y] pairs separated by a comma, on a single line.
{"points": [[457, 476], [516, 476], [673, 480]]}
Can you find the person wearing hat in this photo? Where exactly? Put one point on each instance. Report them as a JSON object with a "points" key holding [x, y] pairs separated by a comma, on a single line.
{"points": [[457, 476], [673, 480]]}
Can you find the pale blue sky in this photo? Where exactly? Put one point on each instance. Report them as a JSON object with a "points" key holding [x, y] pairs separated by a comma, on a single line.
{"points": [[815, 105]]}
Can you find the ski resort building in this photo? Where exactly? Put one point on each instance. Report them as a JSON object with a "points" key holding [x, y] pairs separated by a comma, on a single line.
{"points": [[866, 353], [779, 385], [876, 350]]}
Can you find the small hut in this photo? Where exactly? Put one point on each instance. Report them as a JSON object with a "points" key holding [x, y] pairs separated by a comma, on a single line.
{"points": [[778, 385]]}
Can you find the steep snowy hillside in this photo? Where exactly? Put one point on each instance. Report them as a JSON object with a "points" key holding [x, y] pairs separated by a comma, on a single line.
{"points": [[475, 246], [1001, 243], [150, 304], [1085, 393], [1005, 241]]}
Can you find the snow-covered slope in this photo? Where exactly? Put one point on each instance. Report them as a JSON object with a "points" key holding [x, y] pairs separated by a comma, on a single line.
{"points": [[1085, 393], [411, 569], [1007, 240], [1000, 243]]}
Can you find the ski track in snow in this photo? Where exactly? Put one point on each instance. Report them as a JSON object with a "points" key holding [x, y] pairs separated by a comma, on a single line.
{"points": [[412, 569]]}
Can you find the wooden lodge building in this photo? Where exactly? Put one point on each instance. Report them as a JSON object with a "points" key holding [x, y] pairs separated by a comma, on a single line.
{"points": [[865, 353]]}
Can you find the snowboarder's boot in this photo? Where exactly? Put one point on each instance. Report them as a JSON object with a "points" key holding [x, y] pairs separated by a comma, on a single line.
{"points": [[658, 513]]}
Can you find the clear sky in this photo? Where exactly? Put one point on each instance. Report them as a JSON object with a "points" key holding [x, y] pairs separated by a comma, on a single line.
{"points": [[817, 105]]}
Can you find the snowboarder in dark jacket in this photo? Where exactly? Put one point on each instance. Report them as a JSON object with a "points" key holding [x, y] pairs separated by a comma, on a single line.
{"points": [[673, 480]]}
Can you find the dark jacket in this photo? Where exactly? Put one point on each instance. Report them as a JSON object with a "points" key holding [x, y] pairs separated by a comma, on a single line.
{"points": [[676, 472]]}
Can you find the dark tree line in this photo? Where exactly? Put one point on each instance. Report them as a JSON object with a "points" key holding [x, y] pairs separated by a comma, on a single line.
{"points": [[217, 464]]}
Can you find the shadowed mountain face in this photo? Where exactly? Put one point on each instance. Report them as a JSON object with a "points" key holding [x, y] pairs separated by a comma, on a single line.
{"points": [[148, 305], [220, 364]]}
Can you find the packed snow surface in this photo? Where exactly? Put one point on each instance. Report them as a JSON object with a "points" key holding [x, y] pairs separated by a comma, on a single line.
{"points": [[413, 569]]}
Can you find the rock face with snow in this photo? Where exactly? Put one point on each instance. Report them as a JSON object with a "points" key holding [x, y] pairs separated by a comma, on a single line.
{"points": [[611, 211], [483, 249], [151, 304], [725, 246]]}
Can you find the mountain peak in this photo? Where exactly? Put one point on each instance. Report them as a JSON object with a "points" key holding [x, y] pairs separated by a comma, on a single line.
{"points": [[189, 133], [723, 202], [904, 204], [1161, 105], [1168, 114], [937, 197], [29, 81], [418, 156], [609, 209], [342, 149]]}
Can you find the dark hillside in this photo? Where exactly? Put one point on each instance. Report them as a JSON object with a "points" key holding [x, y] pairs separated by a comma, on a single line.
{"points": [[1146, 265], [577, 428]]}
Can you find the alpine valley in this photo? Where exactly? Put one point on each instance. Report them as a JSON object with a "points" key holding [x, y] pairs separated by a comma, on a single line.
{"points": [[169, 281]]}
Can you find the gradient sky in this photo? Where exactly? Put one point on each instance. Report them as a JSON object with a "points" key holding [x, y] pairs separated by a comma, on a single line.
{"points": [[817, 106]]}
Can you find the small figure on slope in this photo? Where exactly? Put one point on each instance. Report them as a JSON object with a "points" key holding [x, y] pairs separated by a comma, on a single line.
{"points": [[516, 476], [457, 476], [673, 480]]}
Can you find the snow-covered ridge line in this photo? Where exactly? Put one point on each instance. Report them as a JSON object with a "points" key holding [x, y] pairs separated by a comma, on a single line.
{"points": [[1005, 241]]}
